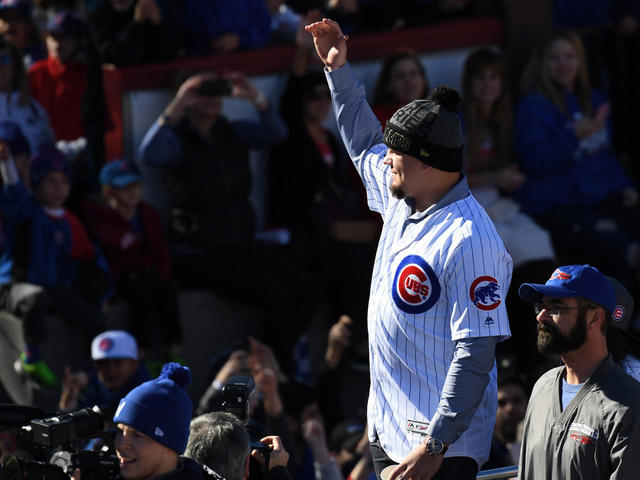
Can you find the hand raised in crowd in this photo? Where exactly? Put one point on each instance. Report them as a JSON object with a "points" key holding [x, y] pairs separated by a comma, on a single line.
{"points": [[278, 456], [267, 385], [314, 434], [261, 356], [243, 88], [147, 10], [339, 339], [236, 364], [72, 385], [330, 43], [586, 126], [229, 42], [186, 97], [509, 178], [629, 197]]}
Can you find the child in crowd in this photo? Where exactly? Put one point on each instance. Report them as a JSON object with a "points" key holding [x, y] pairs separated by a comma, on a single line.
{"points": [[48, 262], [130, 234]]}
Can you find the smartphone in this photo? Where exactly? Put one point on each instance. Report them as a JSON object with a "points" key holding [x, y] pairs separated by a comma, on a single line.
{"points": [[215, 87]]}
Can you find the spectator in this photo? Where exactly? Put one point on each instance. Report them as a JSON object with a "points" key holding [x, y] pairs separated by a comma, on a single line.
{"points": [[68, 84], [507, 435], [348, 443], [130, 235], [331, 229], [623, 340], [583, 415], [493, 176], [212, 225], [220, 26], [48, 261], [284, 22], [220, 441], [16, 105], [117, 369], [130, 32], [153, 429], [575, 186], [19, 28], [401, 80], [14, 144]]}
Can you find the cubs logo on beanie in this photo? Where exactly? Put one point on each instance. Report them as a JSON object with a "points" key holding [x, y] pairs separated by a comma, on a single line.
{"points": [[160, 408], [429, 130]]}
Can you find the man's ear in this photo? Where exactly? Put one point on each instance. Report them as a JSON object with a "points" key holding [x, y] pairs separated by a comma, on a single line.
{"points": [[597, 319]]}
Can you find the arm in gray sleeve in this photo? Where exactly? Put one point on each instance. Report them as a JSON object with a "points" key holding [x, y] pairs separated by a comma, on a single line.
{"points": [[464, 387]]}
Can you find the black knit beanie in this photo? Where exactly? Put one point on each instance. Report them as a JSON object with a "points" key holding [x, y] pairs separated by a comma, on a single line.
{"points": [[429, 130]]}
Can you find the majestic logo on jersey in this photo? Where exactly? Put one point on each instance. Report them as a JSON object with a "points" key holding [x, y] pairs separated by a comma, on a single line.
{"points": [[415, 287], [559, 275], [582, 434], [618, 313], [484, 293]]}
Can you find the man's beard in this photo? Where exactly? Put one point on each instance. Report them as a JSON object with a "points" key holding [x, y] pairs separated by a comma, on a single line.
{"points": [[397, 192], [551, 340]]}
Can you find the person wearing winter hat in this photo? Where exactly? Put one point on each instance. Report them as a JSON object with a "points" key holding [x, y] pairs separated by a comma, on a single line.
{"points": [[50, 266], [117, 370], [153, 428], [582, 414], [440, 279]]}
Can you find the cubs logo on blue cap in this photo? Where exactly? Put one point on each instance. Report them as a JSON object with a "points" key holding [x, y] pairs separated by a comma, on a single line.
{"points": [[105, 344], [485, 293], [415, 286]]}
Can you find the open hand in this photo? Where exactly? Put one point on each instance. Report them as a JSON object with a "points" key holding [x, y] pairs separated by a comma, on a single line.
{"points": [[330, 42]]}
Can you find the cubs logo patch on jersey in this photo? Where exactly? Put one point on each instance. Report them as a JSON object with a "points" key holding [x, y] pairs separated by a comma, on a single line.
{"points": [[485, 293], [415, 286]]}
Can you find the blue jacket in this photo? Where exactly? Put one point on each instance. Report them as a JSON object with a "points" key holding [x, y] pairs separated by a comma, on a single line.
{"points": [[203, 20], [560, 168], [39, 249]]}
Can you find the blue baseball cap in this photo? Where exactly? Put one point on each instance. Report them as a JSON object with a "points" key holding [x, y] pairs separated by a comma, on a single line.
{"points": [[119, 173], [11, 134], [573, 281]]}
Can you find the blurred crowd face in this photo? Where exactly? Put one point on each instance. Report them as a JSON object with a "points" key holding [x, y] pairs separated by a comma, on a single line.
{"points": [[122, 5], [512, 406], [317, 104], [15, 28], [7, 70], [115, 373], [207, 108], [128, 196], [406, 82], [486, 86], [62, 47], [563, 63], [53, 190]]}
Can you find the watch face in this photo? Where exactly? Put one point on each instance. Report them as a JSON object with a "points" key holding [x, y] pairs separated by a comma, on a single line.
{"points": [[435, 446]]}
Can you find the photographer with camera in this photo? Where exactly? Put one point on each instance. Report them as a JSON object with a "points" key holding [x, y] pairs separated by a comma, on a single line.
{"points": [[153, 428], [220, 441]]}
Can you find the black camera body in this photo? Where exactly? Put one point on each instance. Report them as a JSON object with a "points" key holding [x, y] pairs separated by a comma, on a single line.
{"points": [[54, 443], [235, 396], [215, 87]]}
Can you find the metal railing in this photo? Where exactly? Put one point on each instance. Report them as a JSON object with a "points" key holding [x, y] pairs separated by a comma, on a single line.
{"points": [[499, 473]]}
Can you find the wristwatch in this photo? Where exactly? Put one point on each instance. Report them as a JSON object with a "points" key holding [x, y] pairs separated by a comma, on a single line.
{"points": [[436, 446]]}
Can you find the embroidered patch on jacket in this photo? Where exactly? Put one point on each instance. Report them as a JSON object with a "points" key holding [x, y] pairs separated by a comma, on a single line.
{"points": [[485, 293], [415, 286], [414, 426], [582, 434]]}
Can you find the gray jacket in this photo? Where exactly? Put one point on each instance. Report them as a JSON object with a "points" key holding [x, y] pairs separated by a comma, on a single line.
{"points": [[597, 436]]}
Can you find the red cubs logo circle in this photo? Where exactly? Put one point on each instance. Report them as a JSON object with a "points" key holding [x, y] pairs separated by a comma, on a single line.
{"points": [[618, 313], [105, 344], [415, 286], [484, 293]]}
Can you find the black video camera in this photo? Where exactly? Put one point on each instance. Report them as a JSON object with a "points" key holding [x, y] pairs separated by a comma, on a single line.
{"points": [[56, 449]]}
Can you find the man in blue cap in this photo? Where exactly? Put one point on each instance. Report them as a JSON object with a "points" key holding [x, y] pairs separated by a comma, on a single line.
{"points": [[583, 417]]}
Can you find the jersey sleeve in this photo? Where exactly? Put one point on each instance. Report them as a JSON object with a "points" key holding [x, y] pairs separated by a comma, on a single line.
{"points": [[478, 277], [361, 133]]}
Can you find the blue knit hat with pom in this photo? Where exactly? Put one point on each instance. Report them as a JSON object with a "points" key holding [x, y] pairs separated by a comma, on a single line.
{"points": [[160, 408]]}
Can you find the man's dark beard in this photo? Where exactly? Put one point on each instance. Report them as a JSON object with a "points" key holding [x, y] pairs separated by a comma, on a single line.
{"points": [[397, 192], [550, 340]]}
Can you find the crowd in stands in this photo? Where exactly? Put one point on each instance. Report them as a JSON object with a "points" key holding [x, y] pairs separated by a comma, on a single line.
{"points": [[555, 165]]}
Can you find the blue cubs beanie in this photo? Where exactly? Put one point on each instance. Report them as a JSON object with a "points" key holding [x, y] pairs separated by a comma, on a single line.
{"points": [[160, 408]]}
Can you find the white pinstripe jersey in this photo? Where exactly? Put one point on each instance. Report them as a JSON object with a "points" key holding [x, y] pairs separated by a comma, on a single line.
{"points": [[439, 276]]}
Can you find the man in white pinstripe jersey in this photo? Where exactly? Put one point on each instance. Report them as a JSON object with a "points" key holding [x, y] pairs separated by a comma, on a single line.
{"points": [[436, 308]]}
